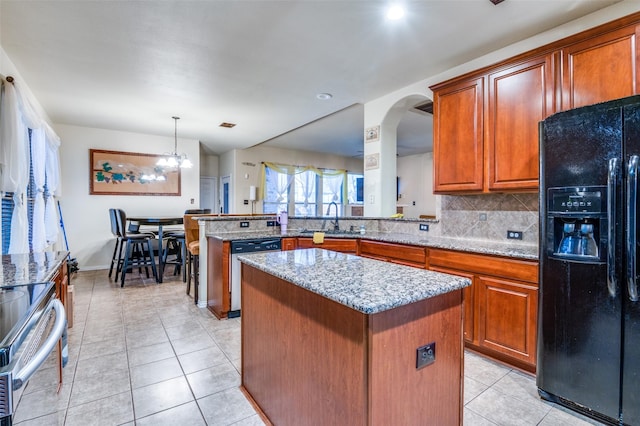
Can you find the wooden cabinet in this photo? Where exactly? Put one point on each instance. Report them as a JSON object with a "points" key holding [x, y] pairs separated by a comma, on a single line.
{"points": [[501, 306], [289, 243], [218, 285], [344, 245], [468, 295], [600, 68], [485, 124], [519, 97], [457, 137], [396, 253]]}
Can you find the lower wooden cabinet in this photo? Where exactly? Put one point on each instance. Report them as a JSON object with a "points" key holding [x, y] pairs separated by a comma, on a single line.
{"points": [[344, 245], [289, 243], [501, 306]]}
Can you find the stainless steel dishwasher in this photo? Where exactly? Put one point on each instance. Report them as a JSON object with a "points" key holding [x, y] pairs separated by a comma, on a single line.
{"points": [[239, 247]]}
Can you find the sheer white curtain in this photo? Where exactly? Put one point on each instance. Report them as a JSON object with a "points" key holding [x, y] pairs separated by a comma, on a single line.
{"points": [[38, 160], [17, 116], [52, 167], [14, 164]]}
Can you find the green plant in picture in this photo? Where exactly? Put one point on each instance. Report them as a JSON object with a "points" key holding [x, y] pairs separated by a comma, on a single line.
{"points": [[107, 175]]}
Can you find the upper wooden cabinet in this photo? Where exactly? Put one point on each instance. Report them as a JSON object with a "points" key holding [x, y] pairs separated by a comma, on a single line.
{"points": [[600, 68], [457, 137], [519, 97], [485, 127]]}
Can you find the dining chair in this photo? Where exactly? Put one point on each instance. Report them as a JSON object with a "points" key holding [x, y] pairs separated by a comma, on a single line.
{"points": [[134, 248], [118, 247]]}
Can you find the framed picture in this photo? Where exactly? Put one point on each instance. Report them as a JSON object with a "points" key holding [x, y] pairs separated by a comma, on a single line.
{"points": [[130, 173], [372, 134], [372, 161]]}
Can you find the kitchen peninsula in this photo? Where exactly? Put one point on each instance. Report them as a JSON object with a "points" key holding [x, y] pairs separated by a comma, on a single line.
{"points": [[340, 339]]}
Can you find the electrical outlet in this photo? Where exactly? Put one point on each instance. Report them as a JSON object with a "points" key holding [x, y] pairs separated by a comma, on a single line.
{"points": [[425, 355], [246, 202], [424, 227], [514, 235], [244, 224], [271, 223]]}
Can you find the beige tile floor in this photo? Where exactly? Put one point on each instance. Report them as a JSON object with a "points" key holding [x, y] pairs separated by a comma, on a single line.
{"points": [[146, 355]]}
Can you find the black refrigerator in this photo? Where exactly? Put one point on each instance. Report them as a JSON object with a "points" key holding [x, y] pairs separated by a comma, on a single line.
{"points": [[589, 308]]}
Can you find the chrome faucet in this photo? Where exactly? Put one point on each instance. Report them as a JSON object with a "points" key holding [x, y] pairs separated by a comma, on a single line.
{"points": [[336, 226]]}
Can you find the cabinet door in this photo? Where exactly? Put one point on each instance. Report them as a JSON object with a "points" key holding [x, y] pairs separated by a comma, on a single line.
{"points": [[469, 300], [457, 137], [508, 313], [289, 244], [600, 68], [519, 98]]}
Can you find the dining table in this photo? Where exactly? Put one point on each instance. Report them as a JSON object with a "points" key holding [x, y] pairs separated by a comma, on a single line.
{"points": [[159, 222]]}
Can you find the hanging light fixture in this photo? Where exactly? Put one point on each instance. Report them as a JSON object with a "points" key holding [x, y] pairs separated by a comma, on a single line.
{"points": [[173, 160]]}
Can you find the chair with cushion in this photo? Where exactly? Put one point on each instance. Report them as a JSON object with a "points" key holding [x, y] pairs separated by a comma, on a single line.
{"points": [[192, 244], [138, 249], [176, 244]]}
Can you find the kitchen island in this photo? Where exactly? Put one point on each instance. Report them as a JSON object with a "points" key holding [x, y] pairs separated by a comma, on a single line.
{"points": [[331, 338]]}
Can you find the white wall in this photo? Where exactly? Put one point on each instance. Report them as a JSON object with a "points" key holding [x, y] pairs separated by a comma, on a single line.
{"points": [[416, 185], [246, 175], [86, 217]]}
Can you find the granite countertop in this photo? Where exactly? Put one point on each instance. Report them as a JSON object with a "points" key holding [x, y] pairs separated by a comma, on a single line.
{"points": [[514, 250], [29, 268], [366, 285]]}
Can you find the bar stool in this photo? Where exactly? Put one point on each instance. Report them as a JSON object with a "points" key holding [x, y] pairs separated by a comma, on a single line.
{"points": [[135, 253]]}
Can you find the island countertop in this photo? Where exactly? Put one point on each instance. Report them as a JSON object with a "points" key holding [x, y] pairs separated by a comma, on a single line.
{"points": [[30, 268], [366, 285]]}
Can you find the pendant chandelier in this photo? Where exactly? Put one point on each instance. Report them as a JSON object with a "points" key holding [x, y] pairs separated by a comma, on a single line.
{"points": [[173, 161]]}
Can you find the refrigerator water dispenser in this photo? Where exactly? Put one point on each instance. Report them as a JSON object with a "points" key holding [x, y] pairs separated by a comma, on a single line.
{"points": [[576, 223]]}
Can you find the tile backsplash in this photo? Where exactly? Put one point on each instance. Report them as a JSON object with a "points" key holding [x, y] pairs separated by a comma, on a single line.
{"points": [[490, 216]]}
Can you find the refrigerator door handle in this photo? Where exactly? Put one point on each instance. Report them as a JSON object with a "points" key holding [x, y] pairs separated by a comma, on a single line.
{"points": [[612, 183], [632, 199]]}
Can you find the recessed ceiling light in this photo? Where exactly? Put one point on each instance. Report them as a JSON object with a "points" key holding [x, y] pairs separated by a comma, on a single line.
{"points": [[324, 96], [395, 12], [227, 125]]}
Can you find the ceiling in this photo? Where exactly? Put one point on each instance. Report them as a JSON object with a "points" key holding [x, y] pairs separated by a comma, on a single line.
{"points": [[132, 65]]}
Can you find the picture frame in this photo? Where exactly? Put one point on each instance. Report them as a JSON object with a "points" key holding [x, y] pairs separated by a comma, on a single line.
{"points": [[130, 173], [372, 134], [372, 161]]}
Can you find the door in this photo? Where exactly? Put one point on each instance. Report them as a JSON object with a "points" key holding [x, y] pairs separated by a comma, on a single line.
{"points": [[209, 193], [225, 195], [631, 354]]}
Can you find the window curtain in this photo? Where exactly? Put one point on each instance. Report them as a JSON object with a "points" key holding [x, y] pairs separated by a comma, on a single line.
{"points": [[17, 116], [14, 166], [52, 172], [38, 165]]}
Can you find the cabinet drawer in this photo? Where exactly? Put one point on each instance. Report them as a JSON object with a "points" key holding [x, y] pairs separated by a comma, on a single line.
{"points": [[397, 253], [337, 244], [521, 270]]}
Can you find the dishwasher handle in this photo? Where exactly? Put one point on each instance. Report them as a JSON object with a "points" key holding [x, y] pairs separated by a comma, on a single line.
{"points": [[23, 375]]}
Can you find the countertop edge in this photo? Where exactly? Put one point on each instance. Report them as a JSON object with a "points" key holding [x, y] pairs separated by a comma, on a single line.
{"points": [[346, 278]]}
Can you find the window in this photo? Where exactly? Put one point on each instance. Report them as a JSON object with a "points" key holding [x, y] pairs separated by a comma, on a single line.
{"points": [[303, 191], [355, 189]]}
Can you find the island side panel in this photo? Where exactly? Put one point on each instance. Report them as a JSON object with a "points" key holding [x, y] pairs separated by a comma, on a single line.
{"points": [[218, 299], [303, 356], [433, 394]]}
